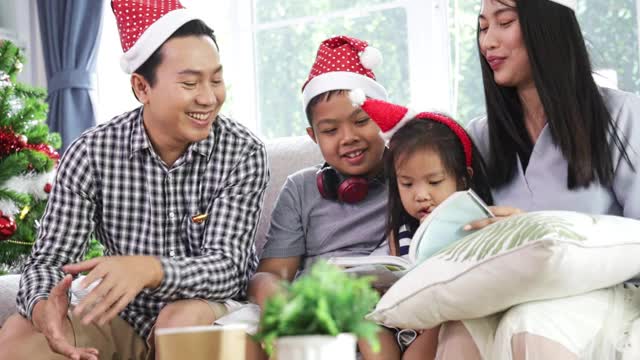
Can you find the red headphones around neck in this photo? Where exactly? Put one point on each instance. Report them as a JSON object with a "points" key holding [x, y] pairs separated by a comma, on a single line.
{"points": [[333, 186]]}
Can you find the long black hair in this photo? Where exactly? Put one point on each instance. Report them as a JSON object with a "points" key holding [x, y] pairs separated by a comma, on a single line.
{"points": [[424, 134], [576, 114]]}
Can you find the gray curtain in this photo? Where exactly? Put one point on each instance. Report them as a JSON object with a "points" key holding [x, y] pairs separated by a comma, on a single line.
{"points": [[70, 31]]}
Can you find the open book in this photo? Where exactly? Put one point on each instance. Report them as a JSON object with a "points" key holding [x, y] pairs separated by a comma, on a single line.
{"points": [[441, 228], [385, 269]]}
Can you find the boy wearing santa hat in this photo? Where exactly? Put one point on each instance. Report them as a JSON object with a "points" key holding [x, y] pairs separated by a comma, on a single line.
{"points": [[336, 208], [171, 189]]}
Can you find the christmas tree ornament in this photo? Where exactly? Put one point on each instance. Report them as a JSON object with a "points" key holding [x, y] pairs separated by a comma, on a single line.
{"points": [[31, 183], [7, 226], [45, 149], [24, 212], [9, 142]]}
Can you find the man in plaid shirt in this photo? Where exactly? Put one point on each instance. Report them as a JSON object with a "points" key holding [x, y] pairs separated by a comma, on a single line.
{"points": [[173, 192]]}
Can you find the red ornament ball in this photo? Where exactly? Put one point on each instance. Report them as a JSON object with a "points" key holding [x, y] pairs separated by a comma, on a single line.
{"points": [[47, 188], [7, 226]]}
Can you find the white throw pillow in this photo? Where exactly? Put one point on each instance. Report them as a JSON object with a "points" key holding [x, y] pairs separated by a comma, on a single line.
{"points": [[533, 256]]}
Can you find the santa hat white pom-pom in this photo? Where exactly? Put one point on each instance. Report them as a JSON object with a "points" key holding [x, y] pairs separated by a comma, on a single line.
{"points": [[371, 57], [357, 97]]}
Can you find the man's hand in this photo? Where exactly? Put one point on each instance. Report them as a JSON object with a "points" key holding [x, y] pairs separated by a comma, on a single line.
{"points": [[122, 279], [500, 212], [50, 318]]}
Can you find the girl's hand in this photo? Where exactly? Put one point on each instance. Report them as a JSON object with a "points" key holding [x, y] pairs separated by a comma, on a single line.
{"points": [[500, 212]]}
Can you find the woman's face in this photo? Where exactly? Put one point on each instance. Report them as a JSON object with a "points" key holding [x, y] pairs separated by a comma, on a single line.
{"points": [[501, 43]]}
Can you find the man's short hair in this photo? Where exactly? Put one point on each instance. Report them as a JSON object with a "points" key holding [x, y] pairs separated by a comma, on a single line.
{"points": [[192, 28]]}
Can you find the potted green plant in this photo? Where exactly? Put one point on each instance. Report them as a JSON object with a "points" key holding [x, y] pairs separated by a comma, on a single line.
{"points": [[319, 316]]}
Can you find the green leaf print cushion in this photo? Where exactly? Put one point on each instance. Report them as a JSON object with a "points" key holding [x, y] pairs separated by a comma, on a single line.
{"points": [[533, 256]]}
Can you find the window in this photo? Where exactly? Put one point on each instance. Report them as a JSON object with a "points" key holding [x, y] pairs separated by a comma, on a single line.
{"points": [[287, 35], [268, 46], [429, 49]]}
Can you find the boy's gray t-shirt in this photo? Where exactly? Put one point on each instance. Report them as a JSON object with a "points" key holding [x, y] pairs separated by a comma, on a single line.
{"points": [[305, 224]]}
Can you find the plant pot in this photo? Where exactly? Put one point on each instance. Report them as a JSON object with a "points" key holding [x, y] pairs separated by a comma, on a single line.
{"points": [[316, 347]]}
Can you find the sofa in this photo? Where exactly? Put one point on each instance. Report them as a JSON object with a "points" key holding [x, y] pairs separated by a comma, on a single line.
{"points": [[286, 155]]}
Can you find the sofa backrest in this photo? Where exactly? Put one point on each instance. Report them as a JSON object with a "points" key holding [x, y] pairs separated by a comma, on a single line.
{"points": [[286, 156]]}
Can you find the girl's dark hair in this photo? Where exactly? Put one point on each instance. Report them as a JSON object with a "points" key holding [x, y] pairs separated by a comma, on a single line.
{"points": [[425, 134], [190, 28], [576, 115]]}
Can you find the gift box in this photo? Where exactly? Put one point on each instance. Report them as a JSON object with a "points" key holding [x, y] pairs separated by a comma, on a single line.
{"points": [[201, 343]]}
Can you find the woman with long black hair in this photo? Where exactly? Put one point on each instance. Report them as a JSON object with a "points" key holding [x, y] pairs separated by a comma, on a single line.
{"points": [[552, 140]]}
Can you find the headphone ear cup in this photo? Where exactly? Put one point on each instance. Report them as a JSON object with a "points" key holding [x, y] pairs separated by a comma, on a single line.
{"points": [[353, 190], [327, 182]]}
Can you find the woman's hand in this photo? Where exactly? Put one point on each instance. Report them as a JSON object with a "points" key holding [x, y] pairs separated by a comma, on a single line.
{"points": [[500, 212]]}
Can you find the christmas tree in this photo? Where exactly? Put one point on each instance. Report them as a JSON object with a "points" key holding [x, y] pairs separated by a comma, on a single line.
{"points": [[27, 159]]}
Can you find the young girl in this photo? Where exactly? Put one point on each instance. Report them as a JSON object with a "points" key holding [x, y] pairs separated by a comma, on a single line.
{"points": [[429, 157]]}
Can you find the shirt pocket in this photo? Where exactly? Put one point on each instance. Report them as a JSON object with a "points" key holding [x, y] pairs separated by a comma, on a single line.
{"points": [[193, 233]]}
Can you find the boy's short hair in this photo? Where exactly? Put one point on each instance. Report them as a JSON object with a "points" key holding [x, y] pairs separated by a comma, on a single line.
{"points": [[325, 96]]}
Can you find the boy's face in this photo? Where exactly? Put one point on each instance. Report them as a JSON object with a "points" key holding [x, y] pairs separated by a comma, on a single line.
{"points": [[349, 140], [188, 94]]}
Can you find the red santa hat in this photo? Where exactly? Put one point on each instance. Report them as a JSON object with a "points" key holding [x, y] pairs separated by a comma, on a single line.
{"points": [[144, 25], [391, 117], [344, 63]]}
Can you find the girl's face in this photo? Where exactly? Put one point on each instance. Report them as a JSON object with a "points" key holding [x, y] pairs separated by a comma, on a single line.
{"points": [[423, 182], [501, 43]]}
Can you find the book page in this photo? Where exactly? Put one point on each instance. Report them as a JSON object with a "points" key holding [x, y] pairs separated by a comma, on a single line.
{"points": [[444, 225], [384, 275], [385, 270]]}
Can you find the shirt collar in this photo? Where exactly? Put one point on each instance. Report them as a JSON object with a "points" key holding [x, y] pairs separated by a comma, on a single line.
{"points": [[205, 147], [140, 140]]}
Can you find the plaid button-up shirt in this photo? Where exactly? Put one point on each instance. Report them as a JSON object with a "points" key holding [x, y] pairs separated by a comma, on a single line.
{"points": [[111, 183]]}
